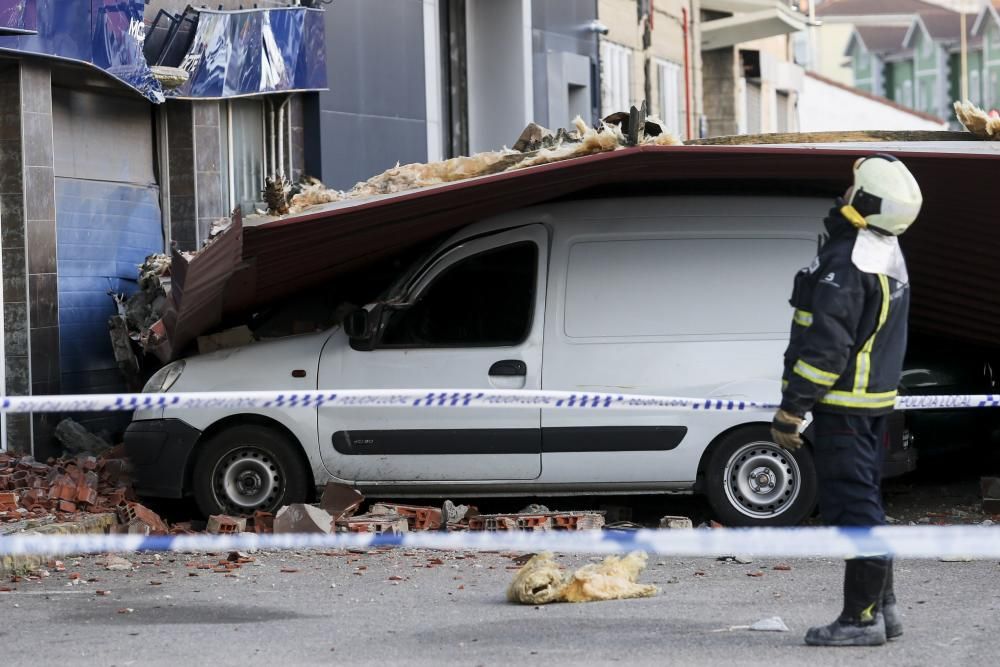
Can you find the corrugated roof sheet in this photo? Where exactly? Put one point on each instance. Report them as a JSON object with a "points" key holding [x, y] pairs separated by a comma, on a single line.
{"points": [[953, 250]]}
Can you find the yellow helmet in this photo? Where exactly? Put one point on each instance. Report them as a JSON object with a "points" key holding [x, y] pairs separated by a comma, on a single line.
{"points": [[885, 194]]}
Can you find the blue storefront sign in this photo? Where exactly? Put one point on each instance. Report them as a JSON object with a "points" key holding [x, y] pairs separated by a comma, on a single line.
{"points": [[107, 34], [253, 52], [225, 53]]}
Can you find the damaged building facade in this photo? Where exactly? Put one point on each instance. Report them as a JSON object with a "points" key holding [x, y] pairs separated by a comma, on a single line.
{"points": [[131, 128], [126, 127]]}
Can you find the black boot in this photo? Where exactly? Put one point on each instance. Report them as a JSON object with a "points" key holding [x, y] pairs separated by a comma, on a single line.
{"points": [[893, 621], [861, 622]]}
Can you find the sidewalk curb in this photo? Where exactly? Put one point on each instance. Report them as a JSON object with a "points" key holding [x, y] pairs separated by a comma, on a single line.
{"points": [[90, 524]]}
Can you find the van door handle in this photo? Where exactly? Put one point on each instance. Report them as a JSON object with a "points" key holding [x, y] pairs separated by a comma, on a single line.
{"points": [[509, 368]]}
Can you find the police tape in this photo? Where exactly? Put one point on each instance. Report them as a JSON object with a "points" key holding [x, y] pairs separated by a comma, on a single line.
{"points": [[972, 542], [429, 398]]}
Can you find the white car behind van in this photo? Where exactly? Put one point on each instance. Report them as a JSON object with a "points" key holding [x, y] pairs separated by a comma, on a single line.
{"points": [[680, 296]]}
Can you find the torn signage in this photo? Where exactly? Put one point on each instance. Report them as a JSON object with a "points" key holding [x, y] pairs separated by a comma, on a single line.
{"points": [[248, 52], [105, 34]]}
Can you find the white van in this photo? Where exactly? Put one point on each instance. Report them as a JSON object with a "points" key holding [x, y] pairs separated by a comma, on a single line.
{"points": [[682, 296]]}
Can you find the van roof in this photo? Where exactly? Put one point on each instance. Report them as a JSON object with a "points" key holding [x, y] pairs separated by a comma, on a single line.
{"points": [[952, 250]]}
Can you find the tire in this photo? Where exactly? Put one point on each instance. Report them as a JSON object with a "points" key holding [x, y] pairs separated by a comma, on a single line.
{"points": [[751, 481], [248, 468]]}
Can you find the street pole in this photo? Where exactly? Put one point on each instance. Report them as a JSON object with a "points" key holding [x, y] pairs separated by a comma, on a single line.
{"points": [[965, 61]]}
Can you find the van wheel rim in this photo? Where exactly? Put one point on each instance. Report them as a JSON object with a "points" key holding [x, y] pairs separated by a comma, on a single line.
{"points": [[247, 479], [761, 480]]}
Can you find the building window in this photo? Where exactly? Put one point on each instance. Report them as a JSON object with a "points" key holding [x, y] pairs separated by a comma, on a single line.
{"points": [[243, 122], [668, 79], [974, 87], [616, 78], [258, 141], [907, 98]]}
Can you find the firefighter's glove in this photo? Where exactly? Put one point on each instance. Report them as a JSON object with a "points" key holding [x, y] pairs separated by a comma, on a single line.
{"points": [[785, 430]]}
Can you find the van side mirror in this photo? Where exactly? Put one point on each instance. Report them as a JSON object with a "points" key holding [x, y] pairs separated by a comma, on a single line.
{"points": [[356, 324]]}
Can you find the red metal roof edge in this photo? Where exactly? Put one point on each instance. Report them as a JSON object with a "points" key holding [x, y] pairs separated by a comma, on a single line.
{"points": [[623, 153]]}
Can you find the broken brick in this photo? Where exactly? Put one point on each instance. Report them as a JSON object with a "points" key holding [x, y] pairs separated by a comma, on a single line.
{"points": [[417, 518], [223, 524]]}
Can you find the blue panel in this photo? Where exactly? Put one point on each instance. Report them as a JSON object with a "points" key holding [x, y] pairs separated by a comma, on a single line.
{"points": [[105, 33], [104, 230], [255, 51]]}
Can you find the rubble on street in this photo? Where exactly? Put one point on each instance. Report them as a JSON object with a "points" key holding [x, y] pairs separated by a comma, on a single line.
{"points": [[64, 487], [542, 581]]}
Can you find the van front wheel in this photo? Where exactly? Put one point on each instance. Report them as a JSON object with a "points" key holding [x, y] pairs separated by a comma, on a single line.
{"points": [[751, 481], [248, 468]]}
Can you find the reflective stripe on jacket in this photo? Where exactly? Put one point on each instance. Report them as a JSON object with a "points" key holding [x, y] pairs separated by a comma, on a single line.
{"points": [[848, 334]]}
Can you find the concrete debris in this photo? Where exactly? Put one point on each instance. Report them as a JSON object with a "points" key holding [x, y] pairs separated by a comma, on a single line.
{"points": [[741, 560], [417, 518], [536, 146], [223, 524], [455, 516], [541, 581], [224, 340], [388, 524], [112, 562], [772, 624], [535, 508], [63, 488], [675, 523], [302, 518], [538, 521], [977, 121], [76, 439], [340, 500]]}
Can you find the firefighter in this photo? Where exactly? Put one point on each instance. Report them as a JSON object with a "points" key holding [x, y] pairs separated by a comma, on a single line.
{"points": [[843, 364]]}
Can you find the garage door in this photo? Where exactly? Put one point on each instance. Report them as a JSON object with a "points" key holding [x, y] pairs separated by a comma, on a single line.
{"points": [[107, 222]]}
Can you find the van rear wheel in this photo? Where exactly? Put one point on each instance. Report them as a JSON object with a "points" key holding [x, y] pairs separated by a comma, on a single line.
{"points": [[751, 481]]}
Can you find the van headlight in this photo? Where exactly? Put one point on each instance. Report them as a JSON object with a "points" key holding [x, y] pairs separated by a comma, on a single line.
{"points": [[164, 378]]}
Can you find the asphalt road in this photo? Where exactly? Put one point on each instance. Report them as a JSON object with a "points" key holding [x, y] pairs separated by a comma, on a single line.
{"points": [[339, 607]]}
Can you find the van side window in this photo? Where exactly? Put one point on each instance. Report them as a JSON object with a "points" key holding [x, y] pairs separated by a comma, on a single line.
{"points": [[484, 300]]}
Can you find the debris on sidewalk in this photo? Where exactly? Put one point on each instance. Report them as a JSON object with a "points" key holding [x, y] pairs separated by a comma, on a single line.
{"points": [[137, 519], [675, 523], [386, 524], [541, 581], [76, 439], [66, 487], [222, 524], [340, 500], [455, 517], [538, 521], [302, 518], [417, 518], [772, 624]]}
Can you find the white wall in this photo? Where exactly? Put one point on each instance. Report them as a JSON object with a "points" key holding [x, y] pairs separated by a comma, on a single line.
{"points": [[825, 108], [498, 42]]}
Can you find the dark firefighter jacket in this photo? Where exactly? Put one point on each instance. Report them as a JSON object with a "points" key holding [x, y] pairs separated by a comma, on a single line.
{"points": [[848, 333]]}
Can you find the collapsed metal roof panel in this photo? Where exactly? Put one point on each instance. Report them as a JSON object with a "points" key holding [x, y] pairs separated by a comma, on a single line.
{"points": [[952, 250]]}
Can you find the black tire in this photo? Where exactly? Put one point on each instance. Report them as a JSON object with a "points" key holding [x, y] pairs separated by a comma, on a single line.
{"points": [[260, 467], [751, 481]]}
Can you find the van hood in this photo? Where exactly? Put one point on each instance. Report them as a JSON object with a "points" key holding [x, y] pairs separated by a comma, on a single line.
{"points": [[261, 366]]}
